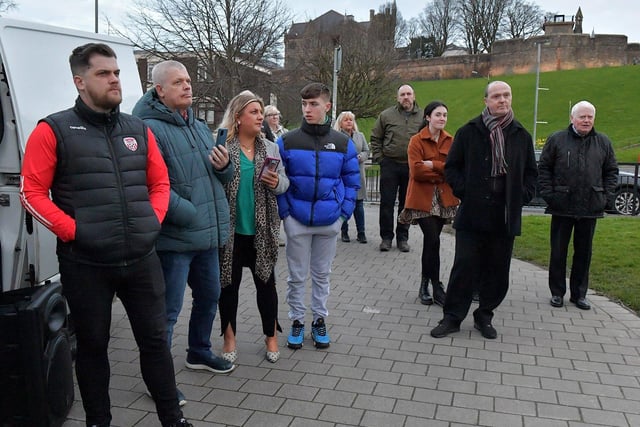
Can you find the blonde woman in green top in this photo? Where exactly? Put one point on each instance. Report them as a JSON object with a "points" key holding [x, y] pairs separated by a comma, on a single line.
{"points": [[254, 221]]}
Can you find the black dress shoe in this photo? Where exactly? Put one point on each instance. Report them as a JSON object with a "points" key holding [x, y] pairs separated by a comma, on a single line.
{"points": [[345, 237], [581, 303], [362, 238], [486, 329], [444, 328], [556, 301]]}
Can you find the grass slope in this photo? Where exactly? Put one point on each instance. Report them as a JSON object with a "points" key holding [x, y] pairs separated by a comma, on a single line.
{"points": [[615, 91]]}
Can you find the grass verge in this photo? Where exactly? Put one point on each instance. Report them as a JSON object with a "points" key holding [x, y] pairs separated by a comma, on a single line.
{"points": [[615, 264]]}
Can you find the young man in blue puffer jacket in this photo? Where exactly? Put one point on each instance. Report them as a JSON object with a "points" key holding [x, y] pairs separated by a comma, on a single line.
{"points": [[322, 167]]}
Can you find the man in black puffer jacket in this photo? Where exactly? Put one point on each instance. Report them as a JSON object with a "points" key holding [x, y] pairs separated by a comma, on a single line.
{"points": [[109, 194], [577, 177]]}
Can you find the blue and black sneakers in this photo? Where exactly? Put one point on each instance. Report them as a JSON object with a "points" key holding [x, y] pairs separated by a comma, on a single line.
{"points": [[319, 334], [296, 336]]}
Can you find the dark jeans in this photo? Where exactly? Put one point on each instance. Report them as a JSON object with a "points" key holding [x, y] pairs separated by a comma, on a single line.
{"points": [[394, 179], [480, 258], [244, 255], [431, 228], [358, 215], [583, 231], [89, 291], [201, 271]]}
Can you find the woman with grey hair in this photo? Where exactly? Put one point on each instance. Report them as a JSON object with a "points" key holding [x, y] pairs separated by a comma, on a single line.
{"points": [[272, 117]]}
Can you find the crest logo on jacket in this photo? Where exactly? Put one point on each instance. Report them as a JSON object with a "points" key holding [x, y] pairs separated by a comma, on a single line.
{"points": [[330, 146], [130, 142]]}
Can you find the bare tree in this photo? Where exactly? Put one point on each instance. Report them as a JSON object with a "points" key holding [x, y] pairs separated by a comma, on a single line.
{"points": [[364, 81], [7, 5], [437, 20], [480, 22], [523, 19], [227, 41]]}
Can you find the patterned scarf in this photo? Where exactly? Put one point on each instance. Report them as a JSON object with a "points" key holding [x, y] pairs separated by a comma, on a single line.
{"points": [[496, 126], [266, 214]]}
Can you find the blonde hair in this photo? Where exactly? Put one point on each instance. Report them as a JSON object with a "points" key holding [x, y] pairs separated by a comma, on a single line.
{"points": [[344, 115], [234, 109]]}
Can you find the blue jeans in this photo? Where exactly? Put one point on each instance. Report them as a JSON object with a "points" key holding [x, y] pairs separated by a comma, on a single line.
{"points": [[201, 271], [358, 215]]}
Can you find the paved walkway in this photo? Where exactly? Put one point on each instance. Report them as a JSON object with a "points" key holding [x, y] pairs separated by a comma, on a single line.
{"points": [[548, 367]]}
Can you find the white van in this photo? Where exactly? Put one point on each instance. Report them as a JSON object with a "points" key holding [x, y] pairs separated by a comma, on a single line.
{"points": [[35, 81], [36, 345]]}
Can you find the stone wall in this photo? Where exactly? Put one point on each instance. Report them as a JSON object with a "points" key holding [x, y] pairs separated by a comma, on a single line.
{"points": [[557, 52]]}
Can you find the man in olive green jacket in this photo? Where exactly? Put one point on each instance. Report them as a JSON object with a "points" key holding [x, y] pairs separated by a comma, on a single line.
{"points": [[389, 141]]}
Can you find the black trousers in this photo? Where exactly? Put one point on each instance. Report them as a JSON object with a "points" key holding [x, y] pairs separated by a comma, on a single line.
{"points": [[89, 291], [431, 228], [480, 258], [244, 255], [583, 230], [394, 179]]}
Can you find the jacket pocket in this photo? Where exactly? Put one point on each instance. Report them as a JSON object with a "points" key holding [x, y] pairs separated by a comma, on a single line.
{"points": [[598, 199], [559, 199]]}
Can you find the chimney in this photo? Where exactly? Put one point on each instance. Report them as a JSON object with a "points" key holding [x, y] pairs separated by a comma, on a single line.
{"points": [[372, 13]]}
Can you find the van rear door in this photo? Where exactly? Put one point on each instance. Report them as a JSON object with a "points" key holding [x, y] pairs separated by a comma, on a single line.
{"points": [[35, 81]]}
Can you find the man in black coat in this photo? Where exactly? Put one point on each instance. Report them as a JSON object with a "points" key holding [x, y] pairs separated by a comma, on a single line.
{"points": [[578, 174], [491, 168]]}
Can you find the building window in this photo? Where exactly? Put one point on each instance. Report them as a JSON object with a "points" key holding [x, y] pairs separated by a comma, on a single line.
{"points": [[206, 113], [202, 73]]}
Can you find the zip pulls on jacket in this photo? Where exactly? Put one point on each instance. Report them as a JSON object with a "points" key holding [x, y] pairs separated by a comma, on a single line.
{"points": [[568, 158]]}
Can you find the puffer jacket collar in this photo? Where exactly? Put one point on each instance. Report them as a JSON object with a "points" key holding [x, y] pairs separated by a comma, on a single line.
{"points": [[94, 117], [150, 107], [319, 130]]}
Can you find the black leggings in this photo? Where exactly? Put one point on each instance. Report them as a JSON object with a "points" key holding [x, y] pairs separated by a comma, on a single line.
{"points": [[244, 255], [431, 228]]}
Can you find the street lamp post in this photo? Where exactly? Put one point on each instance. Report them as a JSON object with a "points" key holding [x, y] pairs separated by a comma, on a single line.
{"points": [[337, 64], [96, 16], [538, 89]]}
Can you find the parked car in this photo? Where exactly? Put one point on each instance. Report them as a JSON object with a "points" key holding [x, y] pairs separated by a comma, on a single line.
{"points": [[627, 193]]}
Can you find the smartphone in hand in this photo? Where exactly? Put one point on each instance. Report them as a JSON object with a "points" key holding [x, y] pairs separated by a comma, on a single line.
{"points": [[221, 137], [270, 163]]}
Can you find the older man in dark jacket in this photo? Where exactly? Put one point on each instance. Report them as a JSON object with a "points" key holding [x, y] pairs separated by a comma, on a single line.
{"points": [[492, 170], [578, 173]]}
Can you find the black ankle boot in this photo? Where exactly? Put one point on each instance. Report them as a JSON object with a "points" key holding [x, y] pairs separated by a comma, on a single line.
{"points": [[425, 297], [439, 295]]}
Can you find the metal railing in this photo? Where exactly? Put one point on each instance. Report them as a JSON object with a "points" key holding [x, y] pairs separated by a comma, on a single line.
{"points": [[627, 199]]}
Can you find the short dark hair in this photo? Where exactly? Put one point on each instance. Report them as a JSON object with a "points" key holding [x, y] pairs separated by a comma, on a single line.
{"points": [[81, 55], [432, 106], [429, 109], [315, 90]]}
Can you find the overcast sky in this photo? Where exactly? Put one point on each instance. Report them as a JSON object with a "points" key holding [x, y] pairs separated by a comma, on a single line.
{"points": [[601, 16]]}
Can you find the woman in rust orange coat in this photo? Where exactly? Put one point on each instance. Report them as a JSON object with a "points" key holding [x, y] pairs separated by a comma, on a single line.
{"points": [[430, 202]]}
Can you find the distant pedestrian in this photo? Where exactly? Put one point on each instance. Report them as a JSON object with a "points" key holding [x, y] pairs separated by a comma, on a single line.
{"points": [[578, 174]]}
